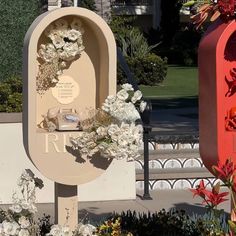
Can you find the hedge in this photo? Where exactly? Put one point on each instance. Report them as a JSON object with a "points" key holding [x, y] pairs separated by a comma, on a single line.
{"points": [[148, 70], [15, 16]]}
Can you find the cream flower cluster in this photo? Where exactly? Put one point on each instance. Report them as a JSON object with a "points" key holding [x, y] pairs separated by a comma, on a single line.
{"points": [[65, 44], [121, 138], [18, 220], [120, 141], [82, 230], [122, 105]]}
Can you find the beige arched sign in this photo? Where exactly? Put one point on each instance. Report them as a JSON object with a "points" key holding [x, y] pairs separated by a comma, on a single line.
{"points": [[69, 69]]}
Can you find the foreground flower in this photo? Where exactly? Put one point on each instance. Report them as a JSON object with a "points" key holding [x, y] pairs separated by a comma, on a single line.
{"points": [[225, 171], [211, 198], [200, 190]]}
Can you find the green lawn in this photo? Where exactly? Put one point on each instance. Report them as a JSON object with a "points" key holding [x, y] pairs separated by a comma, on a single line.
{"points": [[181, 82]]}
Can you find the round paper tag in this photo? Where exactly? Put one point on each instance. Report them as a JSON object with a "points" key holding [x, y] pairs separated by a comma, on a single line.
{"points": [[66, 90]]}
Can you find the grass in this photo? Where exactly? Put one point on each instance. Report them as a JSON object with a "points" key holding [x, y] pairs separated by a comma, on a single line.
{"points": [[179, 89], [180, 82]]}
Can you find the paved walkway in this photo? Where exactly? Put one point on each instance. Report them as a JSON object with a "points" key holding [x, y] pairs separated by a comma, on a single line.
{"points": [[175, 120], [167, 199]]}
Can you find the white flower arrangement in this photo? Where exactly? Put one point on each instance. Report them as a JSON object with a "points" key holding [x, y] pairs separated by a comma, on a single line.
{"points": [[64, 43], [19, 218], [112, 131]]}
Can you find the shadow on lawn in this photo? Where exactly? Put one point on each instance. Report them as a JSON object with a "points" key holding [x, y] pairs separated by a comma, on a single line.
{"points": [[174, 103]]}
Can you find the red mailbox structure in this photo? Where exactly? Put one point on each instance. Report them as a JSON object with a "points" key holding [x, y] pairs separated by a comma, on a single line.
{"points": [[217, 93]]}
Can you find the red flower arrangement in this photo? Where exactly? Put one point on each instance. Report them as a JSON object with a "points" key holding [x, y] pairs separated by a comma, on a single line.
{"points": [[212, 198], [212, 9]]}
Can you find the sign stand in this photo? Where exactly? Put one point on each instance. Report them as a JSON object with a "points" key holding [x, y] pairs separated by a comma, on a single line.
{"points": [[66, 205], [83, 84]]}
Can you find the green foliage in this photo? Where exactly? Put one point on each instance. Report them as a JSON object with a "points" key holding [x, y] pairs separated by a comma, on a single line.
{"points": [[212, 223], [121, 26], [175, 223], [148, 70], [15, 18], [89, 4], [11, 95], [185, 44], [134, 44]]}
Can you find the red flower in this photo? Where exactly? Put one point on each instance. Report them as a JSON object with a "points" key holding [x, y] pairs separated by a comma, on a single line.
{"points": [[225, 171], [226, 7], [200, 190], [214, 198]]}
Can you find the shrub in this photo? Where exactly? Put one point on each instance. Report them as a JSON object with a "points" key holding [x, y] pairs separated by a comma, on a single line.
{"points": [[134, 44], [147, 70], [163, 223], [15, 18], [11, 95]]}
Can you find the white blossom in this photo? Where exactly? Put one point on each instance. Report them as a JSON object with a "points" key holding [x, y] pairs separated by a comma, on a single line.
{"points": [[122, 95], [47, 52], [101, 131], [73, 35], [24, 232], [58, 42], [24, 222], [86, 230], [137, 96], [10, 228], [16, 208], [127, 87], [142, 106]]}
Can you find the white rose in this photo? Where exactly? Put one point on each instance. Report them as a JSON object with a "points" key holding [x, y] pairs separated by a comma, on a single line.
{"points": [[123, 140], [58, 42], [110, 99], [73, 35], [55, 230], [23, 232], [127, 87], [122, 95], [142, 106], [130, 113], [87, 230], [137, 96], [101, 131], [71, 49], [10, 228], [24, 222], [49, 53], [16, 208], [113, 129]]}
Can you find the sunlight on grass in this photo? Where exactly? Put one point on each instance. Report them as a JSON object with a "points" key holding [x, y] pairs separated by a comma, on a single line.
{"points": [[180, 82]]}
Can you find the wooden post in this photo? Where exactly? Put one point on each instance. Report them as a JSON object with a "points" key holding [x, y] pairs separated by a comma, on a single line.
{"points": [[66, 205]]}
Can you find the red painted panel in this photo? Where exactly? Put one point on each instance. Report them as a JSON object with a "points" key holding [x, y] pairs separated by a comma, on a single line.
{"points": [[217, 94]]}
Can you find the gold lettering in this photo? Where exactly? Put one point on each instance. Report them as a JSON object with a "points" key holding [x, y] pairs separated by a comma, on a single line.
{"points": [[51, 139]]}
